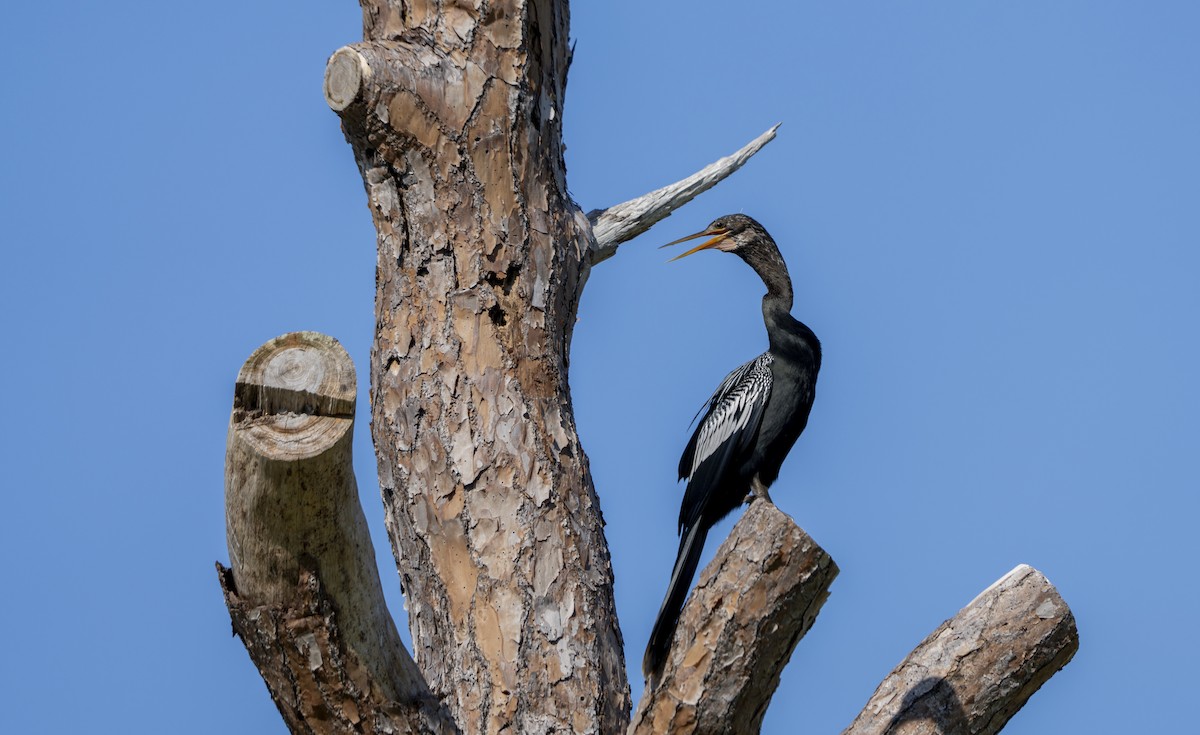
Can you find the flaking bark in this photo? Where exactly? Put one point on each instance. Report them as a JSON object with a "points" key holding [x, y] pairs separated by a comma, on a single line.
{"points": [[318, 684], [754, 602], [453, 111], [978, 668], [454, 115]]}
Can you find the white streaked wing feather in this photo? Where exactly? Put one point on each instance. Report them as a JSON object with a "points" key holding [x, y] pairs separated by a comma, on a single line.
{"points": [[731, 407]]}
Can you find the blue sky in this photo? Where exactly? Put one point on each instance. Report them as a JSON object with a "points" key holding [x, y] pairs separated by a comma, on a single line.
{"points": [[990, 214]]}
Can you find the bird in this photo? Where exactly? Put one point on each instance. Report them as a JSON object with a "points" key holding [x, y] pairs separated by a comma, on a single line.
{"points": [[749, 424]]}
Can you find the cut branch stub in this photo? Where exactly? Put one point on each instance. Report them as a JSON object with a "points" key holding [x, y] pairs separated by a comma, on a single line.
{"points": [[299, 545], [293, 412], [977, 669], [344, 77], [752, 605]]}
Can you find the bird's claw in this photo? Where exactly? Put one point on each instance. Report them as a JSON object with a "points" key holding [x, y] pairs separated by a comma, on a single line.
{"points": [[758, 490]]}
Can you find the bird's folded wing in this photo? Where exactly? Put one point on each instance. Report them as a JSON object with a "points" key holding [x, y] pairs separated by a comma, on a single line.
{"points": [[727, 429]]}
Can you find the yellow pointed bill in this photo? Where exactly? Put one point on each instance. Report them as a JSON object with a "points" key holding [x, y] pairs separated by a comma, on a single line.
{"points": [[718, 236]]}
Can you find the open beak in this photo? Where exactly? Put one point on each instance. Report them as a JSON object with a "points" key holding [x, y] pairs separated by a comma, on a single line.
{"points": [[718, 235]]}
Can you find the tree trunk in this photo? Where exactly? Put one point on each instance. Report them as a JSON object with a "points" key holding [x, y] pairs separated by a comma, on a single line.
{"points": [[455, 121], [453, 111]]}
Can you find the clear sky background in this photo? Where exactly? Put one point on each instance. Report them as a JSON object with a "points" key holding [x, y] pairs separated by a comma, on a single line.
{"points": [[990, 211]]}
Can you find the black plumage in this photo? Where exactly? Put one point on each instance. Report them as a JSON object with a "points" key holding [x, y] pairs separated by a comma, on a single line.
{"points": [[749, 424]]}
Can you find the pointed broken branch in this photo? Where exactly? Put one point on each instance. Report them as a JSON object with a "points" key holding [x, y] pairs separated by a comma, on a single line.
{"points": [[752, 605], [977, 669], [627, 220]]}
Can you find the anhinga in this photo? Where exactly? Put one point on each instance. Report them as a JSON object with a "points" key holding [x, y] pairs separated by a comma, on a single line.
{"points": [[750, 423]]}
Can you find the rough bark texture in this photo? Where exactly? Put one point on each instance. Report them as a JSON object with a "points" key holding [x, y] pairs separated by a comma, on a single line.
{"points": [[975, 671], [304, 591], [752, 605], [318, 683], [453, 110], [454, 114]]}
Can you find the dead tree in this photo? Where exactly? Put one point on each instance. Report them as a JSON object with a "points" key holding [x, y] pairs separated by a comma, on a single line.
{"points": [[453, 112]]}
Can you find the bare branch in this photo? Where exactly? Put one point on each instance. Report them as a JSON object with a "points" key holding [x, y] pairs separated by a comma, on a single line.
{"points": [[977, 669], [627, 220], [304, 591], [753, 604]]}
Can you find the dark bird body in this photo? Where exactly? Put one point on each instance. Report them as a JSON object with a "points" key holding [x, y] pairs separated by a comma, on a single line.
{"points": [[749, 425]]}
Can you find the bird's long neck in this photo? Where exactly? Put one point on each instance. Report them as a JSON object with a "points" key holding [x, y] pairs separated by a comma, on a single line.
{"points": [[779, 291], [786, 333], [768, 263]]}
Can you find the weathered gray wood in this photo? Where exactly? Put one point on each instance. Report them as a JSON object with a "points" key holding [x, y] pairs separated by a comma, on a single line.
{"points": [[304, 591], [977, 669], [753, 603], [344, 78], [625, 221]]}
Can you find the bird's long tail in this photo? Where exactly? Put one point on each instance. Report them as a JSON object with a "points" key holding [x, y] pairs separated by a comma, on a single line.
{"points": [[690, 548]]}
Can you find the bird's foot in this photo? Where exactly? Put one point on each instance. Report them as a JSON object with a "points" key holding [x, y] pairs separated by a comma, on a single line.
{"points": [[758, 490]]}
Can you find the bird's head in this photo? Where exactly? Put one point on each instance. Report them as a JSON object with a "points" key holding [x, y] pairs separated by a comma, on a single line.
{"points": [[746, 238], [733, 233]]}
